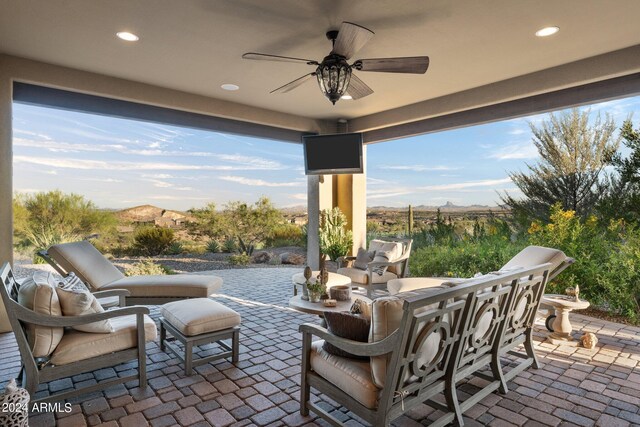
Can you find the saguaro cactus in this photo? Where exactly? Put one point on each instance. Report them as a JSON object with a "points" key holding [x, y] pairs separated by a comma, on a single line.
{"points": [[410, 221]]}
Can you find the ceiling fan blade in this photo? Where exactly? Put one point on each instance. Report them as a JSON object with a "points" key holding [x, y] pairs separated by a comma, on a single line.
{"points": [[267, 57], [351, 38], [411, 65], [294, 84], [357, 88]]}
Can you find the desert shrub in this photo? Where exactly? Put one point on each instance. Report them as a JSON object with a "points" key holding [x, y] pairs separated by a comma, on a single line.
{"points": [[175, 248], [251, 225], [335, 239], [607, 266], [151, 241], [44, 219], [286, 235], [240, 259], [230, 245], [464, 258], [213, 246], [147, 267]]}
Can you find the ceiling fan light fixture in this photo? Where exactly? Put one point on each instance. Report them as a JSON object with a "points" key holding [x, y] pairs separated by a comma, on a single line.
{"points": [[347, 97], [333, 76], [127, 36]]}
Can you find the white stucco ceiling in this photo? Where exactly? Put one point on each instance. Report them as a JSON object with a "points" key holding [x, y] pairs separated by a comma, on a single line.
{"points": [[196, 45]]}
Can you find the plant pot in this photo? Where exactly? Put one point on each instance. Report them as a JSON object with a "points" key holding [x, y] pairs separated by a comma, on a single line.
{"points": [[340, 293], [314, 297]]}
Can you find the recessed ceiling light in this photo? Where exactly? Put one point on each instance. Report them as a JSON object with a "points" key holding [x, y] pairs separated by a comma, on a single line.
{"points": [[229, 86], [127, 36], [547, 31], [346, 97]]}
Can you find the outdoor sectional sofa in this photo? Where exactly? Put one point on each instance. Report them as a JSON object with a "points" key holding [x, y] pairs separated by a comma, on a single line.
{"points": [[83, 259], [424, 343]]}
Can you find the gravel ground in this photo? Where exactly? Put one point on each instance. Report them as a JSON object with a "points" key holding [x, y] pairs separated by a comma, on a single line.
{"points": [[184, 263]]}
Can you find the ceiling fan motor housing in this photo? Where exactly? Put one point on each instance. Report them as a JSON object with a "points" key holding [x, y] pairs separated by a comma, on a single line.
{"points": [[334, 74]]}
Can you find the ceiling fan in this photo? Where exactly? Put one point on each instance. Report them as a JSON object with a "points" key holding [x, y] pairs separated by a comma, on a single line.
{"points": [[334, 74]]}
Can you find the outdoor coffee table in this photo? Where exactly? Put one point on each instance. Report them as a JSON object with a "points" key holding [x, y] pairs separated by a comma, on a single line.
{"points": [[335, 279], [317, 308], [563, 305]]}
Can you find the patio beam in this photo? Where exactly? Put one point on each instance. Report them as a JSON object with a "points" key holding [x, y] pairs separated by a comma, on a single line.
{"points": [[546, 83]]}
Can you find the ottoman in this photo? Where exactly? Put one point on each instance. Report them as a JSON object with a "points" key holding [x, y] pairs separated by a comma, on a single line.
{"points": [[199, 321], [335, 279]]}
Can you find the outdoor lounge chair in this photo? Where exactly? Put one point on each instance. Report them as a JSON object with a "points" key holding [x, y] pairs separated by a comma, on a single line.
{"points": [[50, 349], [95, 270], [378, 273]]}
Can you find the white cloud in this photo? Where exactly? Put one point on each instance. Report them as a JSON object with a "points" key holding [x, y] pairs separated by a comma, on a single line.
{"points": [[518, 150], [299, 196], [84, 164], [259, 182], [109, 180], [419, 168], [385, 195], [166, 197]]}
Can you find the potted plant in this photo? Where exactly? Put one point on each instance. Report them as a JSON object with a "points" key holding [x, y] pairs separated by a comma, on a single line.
{"points": [[315, 291], [335, 239]]}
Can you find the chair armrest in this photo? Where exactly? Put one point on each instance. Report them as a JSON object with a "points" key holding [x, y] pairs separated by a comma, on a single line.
{"points": [[28, 316], [354, 347], [341, 260], [120, 293]]}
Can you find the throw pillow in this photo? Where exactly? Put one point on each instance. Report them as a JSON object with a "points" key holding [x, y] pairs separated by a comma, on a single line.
{"points": [[38, 293], [362, 308], [72, 282], [363, 259], [382, 256], [78, 303], [349, 326], [15, 406]]}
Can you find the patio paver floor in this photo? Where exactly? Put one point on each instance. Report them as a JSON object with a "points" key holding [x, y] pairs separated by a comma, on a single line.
{"points": [[575, 386]]}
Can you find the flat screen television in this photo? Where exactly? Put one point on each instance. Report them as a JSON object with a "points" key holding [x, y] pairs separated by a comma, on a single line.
{"points": [[333, 154]]}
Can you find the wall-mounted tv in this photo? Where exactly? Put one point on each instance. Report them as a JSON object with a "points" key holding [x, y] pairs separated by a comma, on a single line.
{"points": [[333, 154]]}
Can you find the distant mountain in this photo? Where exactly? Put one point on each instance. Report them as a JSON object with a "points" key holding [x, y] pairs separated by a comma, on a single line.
{"points": [[150, 213], [447, 207]]}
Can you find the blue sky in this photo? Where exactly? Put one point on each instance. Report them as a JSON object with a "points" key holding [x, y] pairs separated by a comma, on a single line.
{"points": [[120, 163]]}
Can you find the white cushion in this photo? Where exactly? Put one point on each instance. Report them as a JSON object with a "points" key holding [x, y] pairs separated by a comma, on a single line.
{"points": [[386, 317], [86, 262], [395, 250], [536, 255], [397, 286], [362, 277], [76, 302], [199, 316], [349, 375], [173, 285], [38, 293], [363, 258], [76, 345]]}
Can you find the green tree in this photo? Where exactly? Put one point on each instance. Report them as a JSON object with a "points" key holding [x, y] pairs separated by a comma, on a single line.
{"points": [[251, 224], [622, 199], [44, 219], [209, 222], [573, 154]]}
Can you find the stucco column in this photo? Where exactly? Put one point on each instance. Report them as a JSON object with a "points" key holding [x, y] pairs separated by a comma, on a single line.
{"points": [[319, 197], [6, 184], [349, 193]]}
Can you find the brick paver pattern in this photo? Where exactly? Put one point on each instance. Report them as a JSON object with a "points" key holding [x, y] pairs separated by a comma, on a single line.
{"points": [[575, 386]]}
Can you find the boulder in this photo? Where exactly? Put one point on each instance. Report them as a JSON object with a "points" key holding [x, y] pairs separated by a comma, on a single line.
{"points": [[291, 258], [261, 257]]}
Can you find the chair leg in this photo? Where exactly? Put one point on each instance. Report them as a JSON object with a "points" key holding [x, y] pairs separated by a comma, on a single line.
{"points": [[528, 346], [451, 396], [498, 374], [163, 336], [305, 389], [235, 345], [142, 352], [188, 358]]}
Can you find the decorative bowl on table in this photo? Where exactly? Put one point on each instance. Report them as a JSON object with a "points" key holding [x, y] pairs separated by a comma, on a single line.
{"points": [[340, 293]]}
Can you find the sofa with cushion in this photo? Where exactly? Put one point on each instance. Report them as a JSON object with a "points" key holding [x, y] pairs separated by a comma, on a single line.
{"points": [[373, 267], [423, 343]]}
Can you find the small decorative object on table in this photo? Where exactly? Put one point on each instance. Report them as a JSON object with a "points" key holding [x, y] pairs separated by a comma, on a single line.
{"points": [[15, 406], [589, 340], [573, 292], [307, 275], [315, 291], [329, 303], [323, 278], [340, 293]]}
